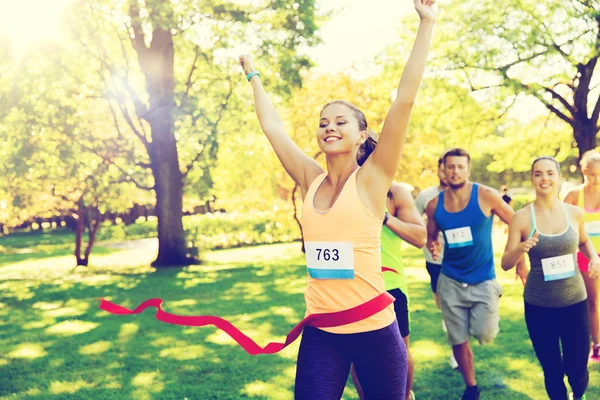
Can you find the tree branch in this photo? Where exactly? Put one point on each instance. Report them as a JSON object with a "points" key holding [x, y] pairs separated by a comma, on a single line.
{"points": [[190, 166], [137, 39], [130, 180], [127, 177], [188, 83], [143, 165], [562, 100], [214, 129], [550, 107]]}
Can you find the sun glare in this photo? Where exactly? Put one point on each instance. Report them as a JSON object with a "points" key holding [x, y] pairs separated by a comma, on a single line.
{"points": [[28, 23]]}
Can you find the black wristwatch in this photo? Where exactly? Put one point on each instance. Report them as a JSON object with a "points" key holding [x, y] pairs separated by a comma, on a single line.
{"points": [[386, 217]]}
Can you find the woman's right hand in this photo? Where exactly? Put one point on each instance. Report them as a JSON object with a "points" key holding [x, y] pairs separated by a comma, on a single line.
{"points": [[529, 243], [425, 9], [247, 63]]}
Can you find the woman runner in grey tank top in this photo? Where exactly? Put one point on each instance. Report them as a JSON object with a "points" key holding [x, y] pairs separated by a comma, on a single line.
{"points": [[556, 313], [552, 283]]}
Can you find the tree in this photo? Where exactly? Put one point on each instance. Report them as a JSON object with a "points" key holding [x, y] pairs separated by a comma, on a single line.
{"points": [[60, 154], [545, 49], [165, 70]]}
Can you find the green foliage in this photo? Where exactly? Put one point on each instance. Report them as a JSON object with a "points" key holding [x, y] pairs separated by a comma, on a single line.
{"points": [[218, 230], [225, 230], [540, 53], [521, 200], [119, 232]]}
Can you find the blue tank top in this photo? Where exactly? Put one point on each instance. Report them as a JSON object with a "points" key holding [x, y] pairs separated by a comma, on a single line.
{"points": [[468, 254]]}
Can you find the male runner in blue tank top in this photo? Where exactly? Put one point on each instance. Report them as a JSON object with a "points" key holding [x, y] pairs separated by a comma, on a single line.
{"points": [[467, 285]]}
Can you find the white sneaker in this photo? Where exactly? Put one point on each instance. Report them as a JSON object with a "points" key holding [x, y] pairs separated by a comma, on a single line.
{"points": [[453, 363]]}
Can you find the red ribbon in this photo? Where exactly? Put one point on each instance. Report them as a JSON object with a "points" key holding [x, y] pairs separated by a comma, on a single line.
{"points": [[387, 269], [324, 320]]}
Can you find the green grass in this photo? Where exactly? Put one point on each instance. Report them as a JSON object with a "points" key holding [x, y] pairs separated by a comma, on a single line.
{"points": [[57, 344], [23, 246]]}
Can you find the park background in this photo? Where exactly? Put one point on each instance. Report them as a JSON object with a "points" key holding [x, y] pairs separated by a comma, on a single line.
{"points": [[130, 158]]}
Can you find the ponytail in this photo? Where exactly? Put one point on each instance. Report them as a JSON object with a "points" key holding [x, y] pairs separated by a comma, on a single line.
{"points": [[366, 148]]}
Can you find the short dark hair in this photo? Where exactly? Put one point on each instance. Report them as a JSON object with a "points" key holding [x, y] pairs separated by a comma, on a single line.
{"points": [[549, 158], [440, 161], [457, 152]]}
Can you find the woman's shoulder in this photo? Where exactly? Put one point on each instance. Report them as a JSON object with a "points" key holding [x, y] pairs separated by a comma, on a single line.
{"points": [[524, 214], [575, 211], [572, 196]]}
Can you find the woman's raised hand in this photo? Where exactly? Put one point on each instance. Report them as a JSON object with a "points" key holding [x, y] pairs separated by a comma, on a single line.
{"points": [[247, 63], [425, 9]]}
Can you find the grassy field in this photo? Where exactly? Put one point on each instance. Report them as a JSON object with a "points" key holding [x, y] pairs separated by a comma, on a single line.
{"points": [[57, 344]]}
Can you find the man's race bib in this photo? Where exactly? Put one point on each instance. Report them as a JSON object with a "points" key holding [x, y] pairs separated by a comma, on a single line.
{"points": [[330, 260], [561, 267], [592, 228], [459, 237]]}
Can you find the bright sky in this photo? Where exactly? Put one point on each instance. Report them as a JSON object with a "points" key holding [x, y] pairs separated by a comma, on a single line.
{"points": [[25, 22], [358, 31]]}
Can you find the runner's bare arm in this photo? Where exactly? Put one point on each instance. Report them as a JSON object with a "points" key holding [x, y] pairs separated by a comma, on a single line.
{"points": [[406, 222], [586, 246], [518, 244], [380, 168], [433, 231], [301, 168], [497, 205]]}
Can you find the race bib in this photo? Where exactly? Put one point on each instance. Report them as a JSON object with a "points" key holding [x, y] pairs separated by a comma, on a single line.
{"points": [[459, 237], [592, 228], [561, 267], [330, 260]]}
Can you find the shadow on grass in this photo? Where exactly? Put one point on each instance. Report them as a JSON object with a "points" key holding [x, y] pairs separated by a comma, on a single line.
{"points": [[38, 245], [59, 345], [67, 348], [38, 253]]}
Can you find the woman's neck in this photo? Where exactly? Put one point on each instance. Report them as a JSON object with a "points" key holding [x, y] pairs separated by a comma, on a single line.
{"points": [[546, 202], [340, 167]]}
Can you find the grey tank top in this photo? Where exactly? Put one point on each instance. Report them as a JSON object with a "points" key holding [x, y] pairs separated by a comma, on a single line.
{"points": [[560, 292]]}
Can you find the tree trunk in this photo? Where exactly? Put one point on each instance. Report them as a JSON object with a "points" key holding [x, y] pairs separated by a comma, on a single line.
{"points": [[585, 137], [169, 204], [92, 231], [79, 230], [92, 218], [158, 69]]}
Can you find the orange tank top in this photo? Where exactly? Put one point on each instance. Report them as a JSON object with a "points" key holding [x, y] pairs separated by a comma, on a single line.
{"points": [[343, 256]]}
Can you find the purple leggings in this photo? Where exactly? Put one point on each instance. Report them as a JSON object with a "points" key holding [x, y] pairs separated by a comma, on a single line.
{"points": [[324, 360]]}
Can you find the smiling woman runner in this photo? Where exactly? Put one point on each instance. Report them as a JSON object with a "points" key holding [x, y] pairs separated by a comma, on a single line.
{"points": [[556, 312], [342, 216], [587, 197]]}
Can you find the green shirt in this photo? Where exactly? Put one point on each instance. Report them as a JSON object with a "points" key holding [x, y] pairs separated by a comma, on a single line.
{"points": [[390, 258]]}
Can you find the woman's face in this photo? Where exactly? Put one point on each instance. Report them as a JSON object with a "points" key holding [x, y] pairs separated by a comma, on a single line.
{"points": [[592, 174], [545, 178], [338, 130]]}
